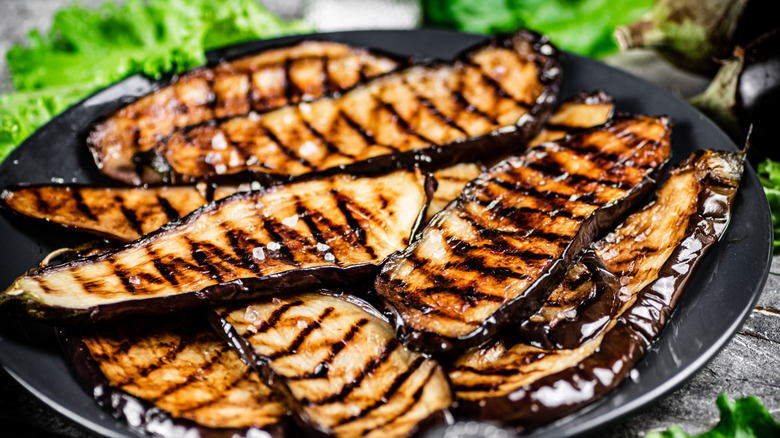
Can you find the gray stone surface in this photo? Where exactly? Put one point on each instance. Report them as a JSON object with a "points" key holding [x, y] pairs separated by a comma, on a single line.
{"points": [[749, 365]]}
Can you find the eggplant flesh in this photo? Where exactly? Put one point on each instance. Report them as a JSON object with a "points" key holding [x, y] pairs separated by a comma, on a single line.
{"points": [[270, 79], [494, 254], [333, 229], [654, 252], [338, 364], [491, 101], [180, 367], [121, 214], [582, 111]]}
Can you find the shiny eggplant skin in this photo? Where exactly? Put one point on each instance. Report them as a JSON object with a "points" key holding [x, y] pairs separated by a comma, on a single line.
{"points": [[338, 365], [493, 255], [581, 111], [335, 229], [121, 214], [173, 378], [489, 102], [655, 259], [270, 79], [578, 310]]}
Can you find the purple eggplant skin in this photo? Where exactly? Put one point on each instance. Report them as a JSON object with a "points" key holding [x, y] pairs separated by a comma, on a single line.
{"points": [[593, 314], [758, 94], [140, 414], [277, 383], [480, 148], [623, 346]]}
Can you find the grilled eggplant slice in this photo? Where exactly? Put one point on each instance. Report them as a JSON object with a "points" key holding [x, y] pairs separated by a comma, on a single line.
{"points": [[270, 79], [122, 214], [494, 254], [339, 365], [332, 229], [582, 111], [490, 102], [180, 367], [654, 252]]}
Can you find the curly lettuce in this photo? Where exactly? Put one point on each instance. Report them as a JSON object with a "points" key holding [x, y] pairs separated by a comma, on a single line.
{"points": [[87, 49]]}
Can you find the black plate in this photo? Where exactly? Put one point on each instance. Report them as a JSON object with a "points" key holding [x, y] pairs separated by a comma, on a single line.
{"points": [[712, 309]]}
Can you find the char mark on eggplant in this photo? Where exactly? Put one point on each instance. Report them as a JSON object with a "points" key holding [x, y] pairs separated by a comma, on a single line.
{"points": [[494, 254], [121, 214], [493, 99], [581, 111], [332, 229], [179, 366], [267, 80], [654, 253], [338, 365]]}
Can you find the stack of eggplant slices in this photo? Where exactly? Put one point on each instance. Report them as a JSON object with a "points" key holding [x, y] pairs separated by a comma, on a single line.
{"points": [[328, 240]]}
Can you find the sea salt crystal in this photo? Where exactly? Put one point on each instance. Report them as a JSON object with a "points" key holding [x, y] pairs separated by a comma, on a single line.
{"points": [[322, 247], [290, 221], [330, 258], [258, 253], [219, 142], [274, 246], [308, 148]]}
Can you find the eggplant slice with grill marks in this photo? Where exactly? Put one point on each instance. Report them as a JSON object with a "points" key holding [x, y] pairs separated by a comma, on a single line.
{"points": [[267, 80], [334, 229], [121, 214], [654, 252], [338, 365], [584, 110], [495, 253], [489, 102], [174, 378]]}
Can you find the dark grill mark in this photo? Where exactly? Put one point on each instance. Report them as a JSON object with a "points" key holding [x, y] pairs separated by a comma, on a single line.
{"points": [[497, 87], [372, 366], [403, 123], [129, 214], [225, 391], [344, 203], [327, 83], [306, 216], [388, 394], [547, 195], [201, 257], [302, 335], [159, 361], [332, 148], [166, 271], [364, 134], [194, 376], [275, 230], [273, 318], [82, 206], [414, 400], [286, 150], [119, 271], [432, 109], [247, 259], [321, 370], [168, 209]]}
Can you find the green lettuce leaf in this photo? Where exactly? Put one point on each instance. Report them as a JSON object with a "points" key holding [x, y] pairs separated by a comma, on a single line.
{"points": [[579, 26], [87, 49], [745, 418], [769, 174]]}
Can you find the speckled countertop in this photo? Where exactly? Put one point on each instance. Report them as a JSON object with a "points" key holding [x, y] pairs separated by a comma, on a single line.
{"points": [[749, 365]]}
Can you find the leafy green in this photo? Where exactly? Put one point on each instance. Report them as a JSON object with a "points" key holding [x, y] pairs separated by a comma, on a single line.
{"points": [[580, 26], [769, 174], [745, 418], [87, 49]]}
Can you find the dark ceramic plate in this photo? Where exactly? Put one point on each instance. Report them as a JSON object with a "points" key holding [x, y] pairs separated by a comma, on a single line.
{"points": [[717, 301]]}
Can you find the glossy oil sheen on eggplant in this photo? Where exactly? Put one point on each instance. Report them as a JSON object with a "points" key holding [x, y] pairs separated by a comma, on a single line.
{"points": [[267, 80], [581, 111], [121, 214], [491, 101], [332, 229], [493, 255], [654, 252], [339, 365], [179, 366]]}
